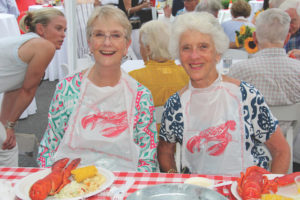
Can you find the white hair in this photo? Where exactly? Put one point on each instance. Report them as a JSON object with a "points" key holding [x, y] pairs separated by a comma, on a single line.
{"points": [[287, 4], [272, 26], [203, 22], [156, 34]]}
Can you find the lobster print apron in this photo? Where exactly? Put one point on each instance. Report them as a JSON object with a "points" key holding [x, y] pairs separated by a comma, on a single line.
{"points": [[213, 139], [100, 129]]}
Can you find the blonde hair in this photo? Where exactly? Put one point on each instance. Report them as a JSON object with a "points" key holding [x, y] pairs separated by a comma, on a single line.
{"points": [[155, 34], [109, 12], [40, 16]]}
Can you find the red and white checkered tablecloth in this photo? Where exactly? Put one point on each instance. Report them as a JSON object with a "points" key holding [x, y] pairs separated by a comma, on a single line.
{"points": [[141, 180]]}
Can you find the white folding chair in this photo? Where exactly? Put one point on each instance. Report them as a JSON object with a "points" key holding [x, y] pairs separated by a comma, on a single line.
{"points": [[235, 54], [289, 113]]}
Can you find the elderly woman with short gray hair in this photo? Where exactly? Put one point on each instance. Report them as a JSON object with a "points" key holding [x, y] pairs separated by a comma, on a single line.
{"points": [[223, 124], [101, 114]]}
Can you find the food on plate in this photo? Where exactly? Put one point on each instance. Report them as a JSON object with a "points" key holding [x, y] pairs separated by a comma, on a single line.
{"points": [[55, 180], [274, 197], [75, 189], [204, 182], [253, 183], [82, 173]]}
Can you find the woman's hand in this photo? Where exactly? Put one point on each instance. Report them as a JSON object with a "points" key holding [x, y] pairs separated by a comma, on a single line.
{"points": [[10, 141], [145, 4]]}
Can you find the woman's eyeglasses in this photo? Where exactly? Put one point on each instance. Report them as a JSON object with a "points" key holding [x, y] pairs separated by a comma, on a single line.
{"points": [[113, 37]]}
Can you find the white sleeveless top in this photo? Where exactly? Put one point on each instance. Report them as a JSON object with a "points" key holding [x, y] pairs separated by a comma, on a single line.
{"points": [[12, 68]]}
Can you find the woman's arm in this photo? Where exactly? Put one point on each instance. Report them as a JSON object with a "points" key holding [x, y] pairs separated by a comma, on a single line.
{"points": [[280, 151], [38, 54], [165, 155], [54, 131], [61, 107], [145, 133], [130, 10], [266, 130], [171, 131]]}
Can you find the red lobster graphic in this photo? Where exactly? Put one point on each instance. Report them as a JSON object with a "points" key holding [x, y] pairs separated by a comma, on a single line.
{"points": [[119, 120], [219, 134]]}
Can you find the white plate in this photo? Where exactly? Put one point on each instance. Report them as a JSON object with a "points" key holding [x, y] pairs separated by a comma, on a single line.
{"points": [[23, 186], [287, 191]]}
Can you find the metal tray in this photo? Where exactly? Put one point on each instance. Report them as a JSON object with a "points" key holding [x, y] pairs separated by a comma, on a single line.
{"points": [[175, 191]]}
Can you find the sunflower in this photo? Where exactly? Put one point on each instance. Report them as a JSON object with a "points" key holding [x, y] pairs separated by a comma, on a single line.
{"points": [[250, 45], [243, 30], [257, 13]]}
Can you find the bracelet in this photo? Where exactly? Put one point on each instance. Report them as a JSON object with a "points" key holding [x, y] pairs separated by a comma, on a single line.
{"points": [[10, 125], [172, 170], [128, 11]]}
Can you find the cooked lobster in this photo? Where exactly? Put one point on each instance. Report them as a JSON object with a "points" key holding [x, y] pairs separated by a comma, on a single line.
{"points": [[253, 184], [54, 181]]}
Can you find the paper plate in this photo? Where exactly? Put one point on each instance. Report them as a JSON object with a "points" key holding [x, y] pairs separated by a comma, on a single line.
{"points": [[23, 186]]}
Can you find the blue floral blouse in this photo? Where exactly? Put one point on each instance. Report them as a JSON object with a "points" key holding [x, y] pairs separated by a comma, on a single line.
{"points": [[259, 122]]}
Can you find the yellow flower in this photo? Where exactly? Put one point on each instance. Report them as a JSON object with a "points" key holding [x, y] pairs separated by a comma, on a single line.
{"points": [[250, 45], [257, 13], [237, 41], [243, 30]]}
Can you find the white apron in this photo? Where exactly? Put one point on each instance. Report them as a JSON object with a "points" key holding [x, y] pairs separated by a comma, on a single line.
{"points": [[213, 139], [100, 129]]}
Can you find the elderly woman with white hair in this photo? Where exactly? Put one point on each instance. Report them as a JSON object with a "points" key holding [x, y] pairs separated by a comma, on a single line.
{"points": [[222, 124]]}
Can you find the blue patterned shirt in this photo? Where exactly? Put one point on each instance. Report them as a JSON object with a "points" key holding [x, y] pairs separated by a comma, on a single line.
{"points": [[259, 122]]}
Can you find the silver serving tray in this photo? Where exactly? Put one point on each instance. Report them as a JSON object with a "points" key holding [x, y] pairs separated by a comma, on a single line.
{"points": [[175, 191]]}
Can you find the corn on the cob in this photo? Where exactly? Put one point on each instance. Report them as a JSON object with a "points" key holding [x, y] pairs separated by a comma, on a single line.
{"points": [[83, 173], [274, 197]]}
